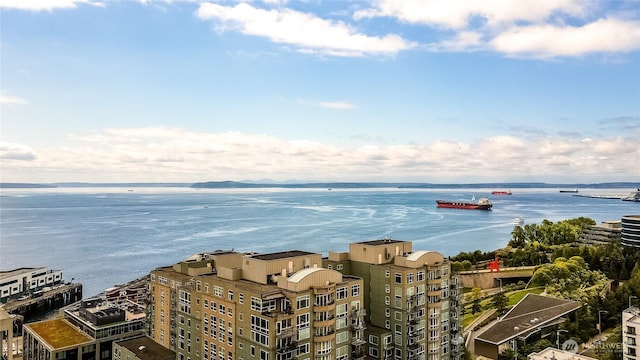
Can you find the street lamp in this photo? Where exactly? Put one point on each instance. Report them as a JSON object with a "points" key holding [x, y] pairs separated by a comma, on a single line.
{"points": [[558, 336], [632, 297], [600, 321]]}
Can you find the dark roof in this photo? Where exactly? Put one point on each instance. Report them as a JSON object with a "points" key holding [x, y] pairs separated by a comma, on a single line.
{"points": [[282, 255], [146, 349], [531, 313], [380, 242]]}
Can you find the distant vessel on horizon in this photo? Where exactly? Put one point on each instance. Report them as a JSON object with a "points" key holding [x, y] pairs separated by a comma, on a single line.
{"points": [[633, 196], [569, 191], [501, 192], [482, 204]]}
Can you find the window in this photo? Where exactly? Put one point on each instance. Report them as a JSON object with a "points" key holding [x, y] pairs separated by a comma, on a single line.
{"points": [[342, 293], [387, 300], [410, 278], [373, 340], [342, 337], [217, 291], [185, 301], [387, 312], [241, 298], [420, 276], [387, 273], [303, 302], [398, 278], [373, 352], [355, 290], [330, 267], [387, 288], [339, 267], [387, 324], [230, 295], [302, 321], [398, 315]]}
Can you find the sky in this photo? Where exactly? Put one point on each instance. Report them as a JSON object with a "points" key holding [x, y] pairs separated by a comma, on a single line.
{"points": [[434, 91]]}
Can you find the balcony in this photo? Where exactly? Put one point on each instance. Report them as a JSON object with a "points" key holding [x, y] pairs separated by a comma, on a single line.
{"points": [[287, 347], [357, 342], [287, 333], [358, 355], [358, 326]]}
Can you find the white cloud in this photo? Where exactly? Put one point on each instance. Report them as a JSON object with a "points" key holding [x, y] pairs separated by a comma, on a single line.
{"points": [[309, 33], [604, 35], [11, 151], [44, 5], [459, 14], [7, 99], [343, 105], [174, 154], [516, 28]]}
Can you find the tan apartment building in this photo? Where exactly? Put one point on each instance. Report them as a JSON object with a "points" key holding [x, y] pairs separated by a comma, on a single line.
{"points": [[412, 299], [276, 306]]}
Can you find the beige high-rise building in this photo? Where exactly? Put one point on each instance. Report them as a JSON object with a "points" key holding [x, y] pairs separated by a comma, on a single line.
{"points": [[411, 297], [380, 300], [284, 305]]}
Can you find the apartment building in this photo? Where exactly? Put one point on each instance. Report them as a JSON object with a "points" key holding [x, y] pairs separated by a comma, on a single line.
{"points": [[631, 333], [412, 299], [225, 305]]}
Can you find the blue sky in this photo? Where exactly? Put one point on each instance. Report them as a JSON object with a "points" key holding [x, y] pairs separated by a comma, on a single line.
{"points": [[393, 90]]}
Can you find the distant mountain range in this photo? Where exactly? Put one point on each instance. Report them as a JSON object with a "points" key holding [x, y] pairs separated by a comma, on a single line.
{"points": [[328, 185]]}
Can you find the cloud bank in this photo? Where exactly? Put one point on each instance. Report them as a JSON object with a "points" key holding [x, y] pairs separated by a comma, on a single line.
{"points": [[164, 154]]}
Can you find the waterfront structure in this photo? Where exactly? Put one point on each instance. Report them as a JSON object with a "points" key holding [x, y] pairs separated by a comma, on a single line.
{"points": [[27, 281], [631, 333], [86, 332], [225, 305], [630, 235], [141, 348], [411, 297]]}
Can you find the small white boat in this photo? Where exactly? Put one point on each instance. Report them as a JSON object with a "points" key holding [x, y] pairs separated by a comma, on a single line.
{"points": [[519, 220]]}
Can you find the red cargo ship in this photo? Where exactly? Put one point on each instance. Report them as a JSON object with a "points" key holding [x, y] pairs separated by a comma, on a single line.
{"points": [[501, 192], [482, 204]]}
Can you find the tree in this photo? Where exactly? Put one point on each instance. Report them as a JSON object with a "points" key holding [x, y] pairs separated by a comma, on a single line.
{"points": [[476, 307], [500, 301]]}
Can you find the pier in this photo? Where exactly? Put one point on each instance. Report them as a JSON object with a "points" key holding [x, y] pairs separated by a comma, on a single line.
{"points": [[53, 299]]}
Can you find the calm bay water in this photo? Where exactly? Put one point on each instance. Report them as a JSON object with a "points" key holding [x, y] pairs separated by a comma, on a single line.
{"points": [[107, 236]]}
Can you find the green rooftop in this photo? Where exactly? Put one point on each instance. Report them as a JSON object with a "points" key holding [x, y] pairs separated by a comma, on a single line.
{"points": [[58, 333]]}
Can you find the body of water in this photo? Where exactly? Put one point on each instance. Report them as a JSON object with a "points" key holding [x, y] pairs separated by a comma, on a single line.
{"points": [[107, 236]]}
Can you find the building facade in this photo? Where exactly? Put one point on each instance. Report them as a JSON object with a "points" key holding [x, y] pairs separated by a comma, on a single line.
{"points": [[277, 306], [630, 234], [27, 281], [412, 300], [631, 333]]}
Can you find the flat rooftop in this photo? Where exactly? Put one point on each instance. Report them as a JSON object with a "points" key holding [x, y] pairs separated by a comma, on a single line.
{"points": [[282, 255], [380, 242], [58, 333], [146, 349], [19, 271]]}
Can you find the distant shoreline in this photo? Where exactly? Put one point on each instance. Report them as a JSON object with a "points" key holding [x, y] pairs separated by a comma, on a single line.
{"points": [[321, 185]]}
